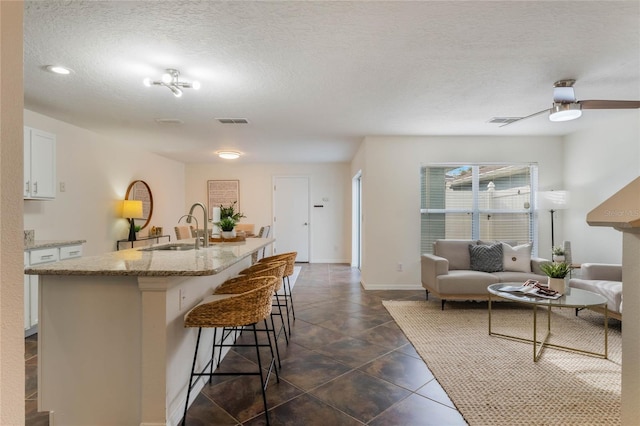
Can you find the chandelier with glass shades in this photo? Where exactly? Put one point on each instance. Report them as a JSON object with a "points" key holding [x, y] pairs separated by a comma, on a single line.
{"points": [[171, 80]]}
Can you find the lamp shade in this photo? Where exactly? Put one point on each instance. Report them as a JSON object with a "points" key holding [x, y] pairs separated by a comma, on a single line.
{"points": [[132, 209], [553, 200]]}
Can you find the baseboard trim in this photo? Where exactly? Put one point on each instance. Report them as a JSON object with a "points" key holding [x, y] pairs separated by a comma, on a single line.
{"points": [[391, 286]]}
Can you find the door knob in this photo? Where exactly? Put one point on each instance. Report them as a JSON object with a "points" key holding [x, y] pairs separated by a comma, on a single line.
{"points": [[305, 224]]}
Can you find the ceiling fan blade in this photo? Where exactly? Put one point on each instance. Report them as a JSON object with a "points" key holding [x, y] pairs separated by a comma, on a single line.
{"points": [[603, 104], [528, 116]]}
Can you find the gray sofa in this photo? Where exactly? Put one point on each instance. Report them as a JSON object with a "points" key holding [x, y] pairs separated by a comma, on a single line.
{"points": [[448, 275], [604, 279]]}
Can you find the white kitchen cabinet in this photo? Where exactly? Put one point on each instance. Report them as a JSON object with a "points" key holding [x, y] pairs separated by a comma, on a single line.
{"points": [[39, 256], [39, 164]]}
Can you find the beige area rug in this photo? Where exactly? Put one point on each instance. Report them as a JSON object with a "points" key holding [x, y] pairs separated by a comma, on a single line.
{"points": [[494, 381]]}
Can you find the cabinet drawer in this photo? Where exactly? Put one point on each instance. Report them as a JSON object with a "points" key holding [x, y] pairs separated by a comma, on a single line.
{"points": [[68, 252], [43, 256]]}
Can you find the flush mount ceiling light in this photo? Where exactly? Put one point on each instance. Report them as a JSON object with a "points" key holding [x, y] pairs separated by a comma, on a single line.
{"points": [[565, 112], [228, 155], [58, 69], [171, 80]]}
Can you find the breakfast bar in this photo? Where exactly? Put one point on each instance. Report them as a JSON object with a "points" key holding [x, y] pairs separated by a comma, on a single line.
{"points": [[112, 348]]}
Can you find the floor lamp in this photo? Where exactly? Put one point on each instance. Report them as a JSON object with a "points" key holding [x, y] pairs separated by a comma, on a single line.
{"points": [[552, 201]]}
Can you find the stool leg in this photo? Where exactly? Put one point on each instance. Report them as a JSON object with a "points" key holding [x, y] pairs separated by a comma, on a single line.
{"points": [[262, 381], [193, 368], [288, 303], [279, 305], [275, 338], [213, 353]]}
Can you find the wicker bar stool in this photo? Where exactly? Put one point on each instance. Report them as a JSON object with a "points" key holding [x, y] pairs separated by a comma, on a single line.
{"points": [[276, 269], [237, 284], [244, 309], [290, 258]]}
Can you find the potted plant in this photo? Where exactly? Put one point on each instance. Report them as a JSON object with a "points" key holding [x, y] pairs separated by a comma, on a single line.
{"points": [[557, 254], [557, 272], [231, 212], [227, 225]]}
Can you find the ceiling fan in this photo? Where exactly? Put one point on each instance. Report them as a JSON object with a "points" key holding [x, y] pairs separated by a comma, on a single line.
{"points": [[565, 106]]}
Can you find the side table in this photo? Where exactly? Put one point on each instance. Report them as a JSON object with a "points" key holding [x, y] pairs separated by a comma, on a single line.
{"points": [[144, 241]]}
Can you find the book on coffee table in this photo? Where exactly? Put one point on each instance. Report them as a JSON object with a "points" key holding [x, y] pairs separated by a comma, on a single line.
{"points": [[532, 288]]}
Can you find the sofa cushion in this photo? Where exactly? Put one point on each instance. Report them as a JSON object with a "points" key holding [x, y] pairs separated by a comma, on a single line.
{"points": [[465, 282], [486, 258], [455, 251], [516, 259]]}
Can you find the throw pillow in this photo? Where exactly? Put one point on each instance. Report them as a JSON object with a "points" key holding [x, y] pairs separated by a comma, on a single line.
{"points": [[516, 259], [486, 258]]}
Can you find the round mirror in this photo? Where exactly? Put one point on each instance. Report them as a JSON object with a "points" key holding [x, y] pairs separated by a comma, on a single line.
{"points": [[139, 190]]}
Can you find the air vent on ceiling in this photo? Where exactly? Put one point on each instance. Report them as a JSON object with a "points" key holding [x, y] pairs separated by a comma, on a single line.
{"points": [[233, 120], [169, 121], [503, 120]]}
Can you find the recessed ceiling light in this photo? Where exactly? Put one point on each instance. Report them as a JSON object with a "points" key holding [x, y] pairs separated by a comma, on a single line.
{"points": [[229, 155], [58, 69]]}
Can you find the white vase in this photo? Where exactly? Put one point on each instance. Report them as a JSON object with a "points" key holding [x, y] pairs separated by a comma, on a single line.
{"points": [[557, 284], [558, 258], [228, 234]]}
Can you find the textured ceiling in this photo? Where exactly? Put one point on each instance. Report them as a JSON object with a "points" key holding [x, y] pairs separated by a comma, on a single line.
{"points": [[314, 78]]}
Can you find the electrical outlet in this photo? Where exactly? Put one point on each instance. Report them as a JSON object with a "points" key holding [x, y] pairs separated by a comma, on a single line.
{"points": [[63, 186], [399, 267], [183, 298]]}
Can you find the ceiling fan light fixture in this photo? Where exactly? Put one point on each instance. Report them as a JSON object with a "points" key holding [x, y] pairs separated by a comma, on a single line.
{"points": [[229, 155], [565, 112]]}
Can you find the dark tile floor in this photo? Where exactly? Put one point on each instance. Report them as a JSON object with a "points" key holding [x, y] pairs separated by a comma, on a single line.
{"points": [[347, 364]]}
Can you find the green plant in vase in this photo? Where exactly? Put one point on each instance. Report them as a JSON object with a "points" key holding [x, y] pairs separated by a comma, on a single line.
{"points": [[227, 224], [558, 254], [557, 272], [231, 212]]}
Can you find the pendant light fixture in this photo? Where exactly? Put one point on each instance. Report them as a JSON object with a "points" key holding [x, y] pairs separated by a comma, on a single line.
{"points": [[171, 80]]}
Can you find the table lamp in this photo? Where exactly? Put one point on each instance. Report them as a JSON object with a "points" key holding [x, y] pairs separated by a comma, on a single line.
{"points": [[132, 209]]}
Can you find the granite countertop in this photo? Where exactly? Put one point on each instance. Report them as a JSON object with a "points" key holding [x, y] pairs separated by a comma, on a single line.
{"points": [[159, 263], [53, 243]]}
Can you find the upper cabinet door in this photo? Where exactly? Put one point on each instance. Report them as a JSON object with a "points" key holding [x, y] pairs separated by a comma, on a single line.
{"points": [[42, 164]]}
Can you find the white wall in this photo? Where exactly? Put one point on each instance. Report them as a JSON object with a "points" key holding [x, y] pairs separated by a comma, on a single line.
{"points": [[599, 162], [11, 264], [330, 232], [391, 193], [96, 172]]}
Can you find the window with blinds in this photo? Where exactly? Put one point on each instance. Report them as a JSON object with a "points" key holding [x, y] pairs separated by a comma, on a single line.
{"points": [[487, 202]]}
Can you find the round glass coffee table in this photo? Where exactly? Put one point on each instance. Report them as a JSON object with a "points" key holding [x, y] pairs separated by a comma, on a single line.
{"points": [[574, 298]]}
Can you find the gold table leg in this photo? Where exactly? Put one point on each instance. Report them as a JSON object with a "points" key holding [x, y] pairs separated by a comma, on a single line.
{"points": [[539, 346]]}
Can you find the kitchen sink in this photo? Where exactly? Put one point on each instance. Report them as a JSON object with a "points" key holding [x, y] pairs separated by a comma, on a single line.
{"points": [[173, 247]]}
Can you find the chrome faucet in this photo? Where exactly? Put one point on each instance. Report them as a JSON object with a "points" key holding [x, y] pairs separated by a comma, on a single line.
{"points": [[206, 222], [189, 216]]}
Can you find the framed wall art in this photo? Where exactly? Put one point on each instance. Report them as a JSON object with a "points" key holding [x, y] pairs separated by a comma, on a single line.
{"points": [[223, 192]]}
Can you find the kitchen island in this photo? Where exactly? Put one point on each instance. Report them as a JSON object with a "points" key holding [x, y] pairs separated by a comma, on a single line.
{"points": [[112, 348]]}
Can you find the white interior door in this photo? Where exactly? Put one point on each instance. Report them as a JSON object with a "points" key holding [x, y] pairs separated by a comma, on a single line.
{"points": [[291, 215]]}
